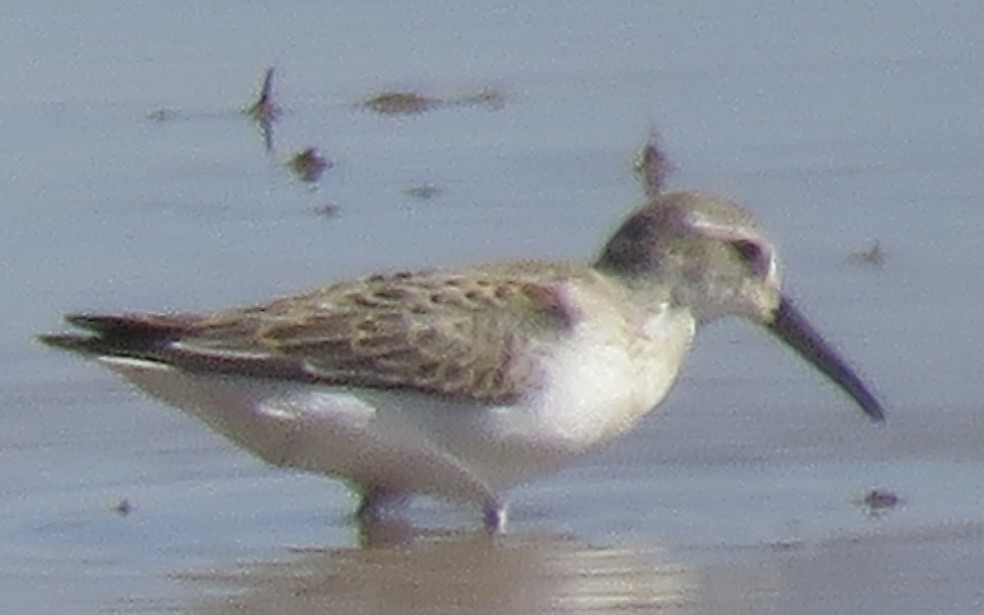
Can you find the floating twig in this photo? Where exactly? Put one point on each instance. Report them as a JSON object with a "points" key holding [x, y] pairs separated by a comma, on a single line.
{"points": [[652, 166], [265, 111]]}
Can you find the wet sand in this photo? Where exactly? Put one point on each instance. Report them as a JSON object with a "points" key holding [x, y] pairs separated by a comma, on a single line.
{"points": [[136, 182]]}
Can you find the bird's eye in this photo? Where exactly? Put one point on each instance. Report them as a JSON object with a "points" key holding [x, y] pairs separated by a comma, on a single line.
{"points": [[753, 254], [749, 251]]}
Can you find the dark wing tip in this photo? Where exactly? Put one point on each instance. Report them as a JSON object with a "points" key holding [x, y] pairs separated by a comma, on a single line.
{"points": [[116, 334], [129, 324]]}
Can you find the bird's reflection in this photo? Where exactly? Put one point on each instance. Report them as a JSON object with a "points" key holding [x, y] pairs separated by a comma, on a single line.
{"points": [[403, 569]]}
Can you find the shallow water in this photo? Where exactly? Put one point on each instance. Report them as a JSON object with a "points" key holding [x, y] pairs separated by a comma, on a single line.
{"points": [[836, 124]]}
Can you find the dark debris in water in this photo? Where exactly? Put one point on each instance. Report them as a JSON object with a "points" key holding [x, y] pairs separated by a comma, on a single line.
{"points": [[308, 165], [489, 98], [877, 502], [401, 102], [163, 114], [782, 546], [123, 508], [872, 255], [424, 192], [264, 109], [326, 210]]}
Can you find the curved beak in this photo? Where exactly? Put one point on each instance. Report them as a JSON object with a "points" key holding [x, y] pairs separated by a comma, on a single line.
{"points": [[791, 326]]}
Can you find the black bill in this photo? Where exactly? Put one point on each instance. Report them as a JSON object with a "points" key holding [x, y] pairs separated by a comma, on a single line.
{"points": [[793, 328]]}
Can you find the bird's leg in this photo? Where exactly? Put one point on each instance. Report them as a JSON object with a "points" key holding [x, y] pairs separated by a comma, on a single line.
{"points": [[494, 517], [375, 500]]}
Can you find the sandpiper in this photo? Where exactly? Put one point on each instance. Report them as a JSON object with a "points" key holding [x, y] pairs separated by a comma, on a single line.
{"points": [[462, 383]]}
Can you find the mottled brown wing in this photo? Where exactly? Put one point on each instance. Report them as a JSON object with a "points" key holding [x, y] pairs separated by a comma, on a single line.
{"points": [[457, 335]]}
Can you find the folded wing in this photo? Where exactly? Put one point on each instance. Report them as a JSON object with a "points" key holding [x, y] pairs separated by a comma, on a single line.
{"points": [[444, 333]]}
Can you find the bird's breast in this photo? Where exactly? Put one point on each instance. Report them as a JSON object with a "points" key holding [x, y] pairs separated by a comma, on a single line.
{"points": [[609, 373]]}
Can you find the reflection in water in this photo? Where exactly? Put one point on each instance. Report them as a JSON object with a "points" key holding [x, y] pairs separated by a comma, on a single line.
{"points": [[453, 572]]}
